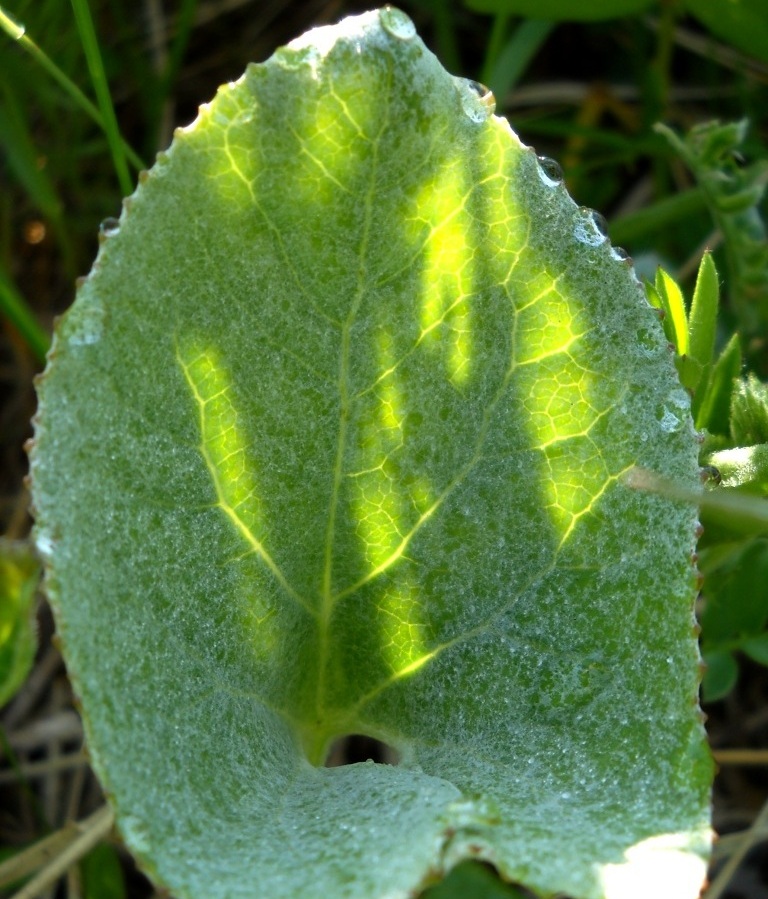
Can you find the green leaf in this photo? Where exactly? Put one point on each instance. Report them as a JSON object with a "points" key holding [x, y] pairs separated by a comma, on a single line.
{"points": [[720, 675], [562, 10], [715, 411], [749, 411], [743, 23], [15, 308], [333, 441], [475, 880], [19, 575], [743, 466], [516, 54], [757, 648], [734, 192], [673, 211], [666, 295], [102, 874], [675, 319], [736, 594], [702, 325]]}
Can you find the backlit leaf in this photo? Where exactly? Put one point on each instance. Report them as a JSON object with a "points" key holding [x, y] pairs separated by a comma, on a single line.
{"points": [[333, 441]]}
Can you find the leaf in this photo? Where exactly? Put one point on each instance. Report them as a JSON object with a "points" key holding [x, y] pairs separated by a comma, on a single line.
{"points": [[734, 192], [749, 411], [525, 41], [715, 411], [736, 595], [703, 317], [757, 648], [675, 320], [333, 442], [702, 325], [743, 466], [475, 880], [743, 23], [562, 10], [102, 874], [720, 675], [19, 575]]}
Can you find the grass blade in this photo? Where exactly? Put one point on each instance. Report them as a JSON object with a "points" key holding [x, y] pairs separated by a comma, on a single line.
{"points": [[17, 32], [101, 86], [14, 307], [508, 66]]}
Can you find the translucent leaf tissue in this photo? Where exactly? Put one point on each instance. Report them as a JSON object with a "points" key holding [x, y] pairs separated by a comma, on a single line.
{"points": [[334, 441]]}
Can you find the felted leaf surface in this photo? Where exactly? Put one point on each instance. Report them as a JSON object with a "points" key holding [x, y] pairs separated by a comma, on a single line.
{"points": [[332, 441]]}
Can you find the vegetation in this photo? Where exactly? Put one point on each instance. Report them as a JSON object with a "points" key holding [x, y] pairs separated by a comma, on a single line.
{"points": [[670, 192]]}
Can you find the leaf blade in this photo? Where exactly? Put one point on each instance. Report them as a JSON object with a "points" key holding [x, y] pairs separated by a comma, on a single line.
{"points": [[400, 415]]}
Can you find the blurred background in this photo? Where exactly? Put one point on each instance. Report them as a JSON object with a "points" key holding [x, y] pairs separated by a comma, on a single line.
{"points": [[584, 82]]}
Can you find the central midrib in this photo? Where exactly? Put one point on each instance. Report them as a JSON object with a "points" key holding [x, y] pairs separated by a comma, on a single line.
{"points": [[327, 599]]}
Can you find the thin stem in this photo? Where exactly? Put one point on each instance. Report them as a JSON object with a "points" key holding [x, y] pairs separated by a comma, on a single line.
{"points": [[14, 307], [495, 45], [90, 44], [17, 32], [91, 831]]}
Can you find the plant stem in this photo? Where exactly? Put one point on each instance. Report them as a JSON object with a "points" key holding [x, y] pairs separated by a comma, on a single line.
{"points": [[17, 32], [101, 86]]}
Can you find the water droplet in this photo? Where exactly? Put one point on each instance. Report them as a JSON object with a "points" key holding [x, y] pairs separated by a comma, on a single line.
{"points": [[669, 422], [621, 255], [476, 100], [587, 229], [600, 223], [681, 399], [44, 544], [397, 23], [549, 171], [109, 227]]}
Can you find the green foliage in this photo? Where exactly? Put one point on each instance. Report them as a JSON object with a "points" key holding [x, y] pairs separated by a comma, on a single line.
{"points": [[743, 23], [19, 575], [563, 10], [64, 175], [15, 309], [102, 874], [749, 412], [735, 613], [735, 594], [334, 441], [692, 335], [734, 192], [715, 406], [475, 880], [733, 413]]}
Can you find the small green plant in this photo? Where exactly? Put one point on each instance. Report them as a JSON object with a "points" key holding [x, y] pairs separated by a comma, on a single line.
{"points": [[731, 410], [335, 440]]}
